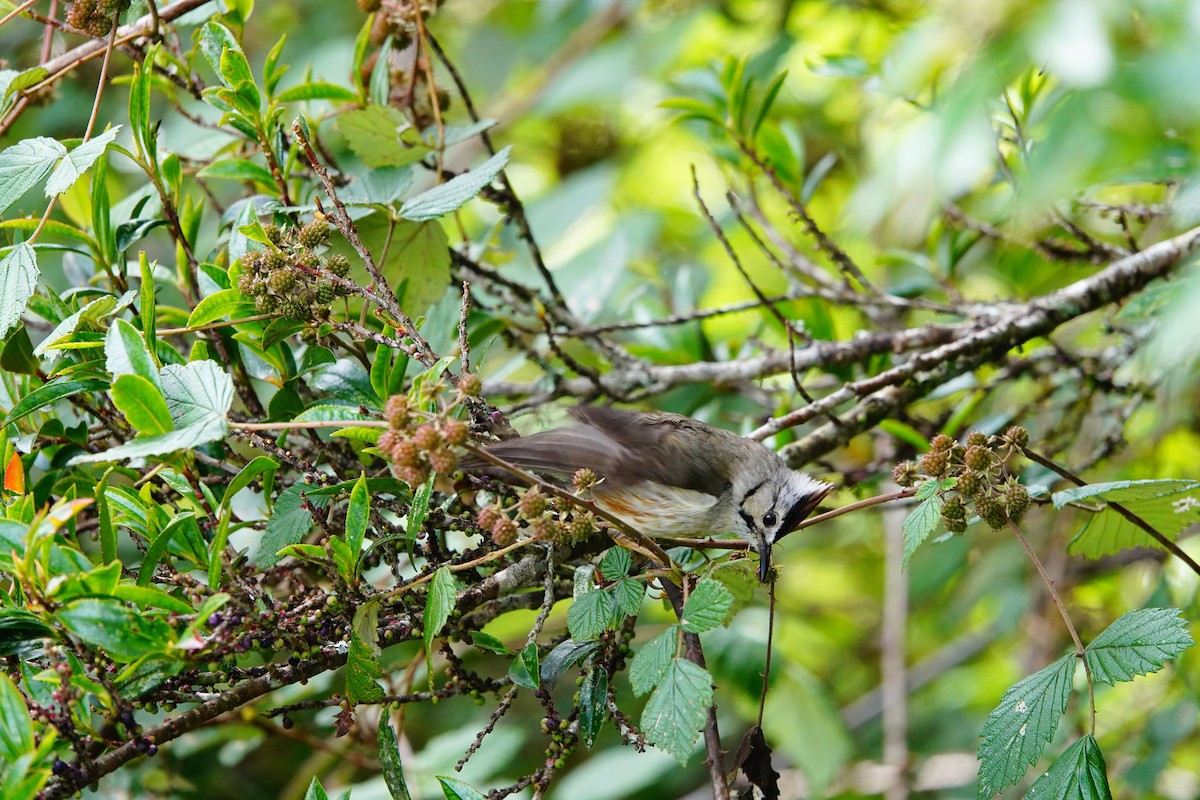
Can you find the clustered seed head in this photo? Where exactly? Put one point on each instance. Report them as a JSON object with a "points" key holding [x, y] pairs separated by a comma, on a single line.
{"points": [[469, 385], [533, 503], [981, 477], [290, 278], [95, 17], [416, 450]]}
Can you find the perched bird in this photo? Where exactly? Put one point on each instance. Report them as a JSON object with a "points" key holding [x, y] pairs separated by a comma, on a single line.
{"points": [[670, 475]]}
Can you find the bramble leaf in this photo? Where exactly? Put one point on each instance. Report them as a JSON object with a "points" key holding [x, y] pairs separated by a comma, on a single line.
{"points": [[1137, 643]]}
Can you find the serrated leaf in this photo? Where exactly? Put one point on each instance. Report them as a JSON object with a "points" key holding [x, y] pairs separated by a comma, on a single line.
{"points": [[451, 195], [1137, 643], [389, 762], [50, 393], [617, 563], [1122, 491], [418, 264], [675, 712], [374, 134], [199, 392], [18, 281], [1078, 774], [1017, 731], [653, 660], [627, 594], [706, 606], [565, 655], [363, 668], [590, 615], [454, 789], [74, 164], [524, 670], [24, 165], [142, 404], [1169, 506], [917, 526], [289, 522], [593, 704], [439, 602]]}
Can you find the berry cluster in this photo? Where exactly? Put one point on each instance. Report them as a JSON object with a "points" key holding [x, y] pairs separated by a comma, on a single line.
{"points": [[289, 277], [981, 477], [95, 16], [542, 517], [418, 448]]}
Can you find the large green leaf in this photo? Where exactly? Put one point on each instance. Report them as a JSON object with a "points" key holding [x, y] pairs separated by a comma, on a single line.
{"points": [[1169, 506], [49, 393], [590, 614], [16, 728], [381, 136], [1137, 643], [125, 353], [389, 762], [1078, 774], [124, 633], [290, 521], [653, 660], [451, 195], [23, 165], [18, 281], [1017, 731], [363, 668], [142, 404], [706, 606], [78, 161], [418, 265], [674, 714]]}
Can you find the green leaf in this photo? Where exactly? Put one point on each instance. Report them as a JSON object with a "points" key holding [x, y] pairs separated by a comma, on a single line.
{"points": [[363, 668], [590, 615], [160, 541], [675, 712], [418, 509], [315, 791], [261, 465], [1169, 506], [1078, 774], [565, 655], [125, 634], [593, 704], [74, 164], [17, 353], [389, 762], [439, 602], [651, 662], [627, 594], [16, 727], [374, 134], [142, 404], [23, 165], [485, 641], [418, 264], [524, 669], [357, 515], [125, 353], [454, 789], [215, 38], [706, 606], [149, 597], [225, 303], [346, 380], [1137, 643], [451, 195], [18, 281], [917, 526], [149, 300], [617, 563], [51, 393], [237, 169], [290, 521], [1017, 731], [317, 90]]}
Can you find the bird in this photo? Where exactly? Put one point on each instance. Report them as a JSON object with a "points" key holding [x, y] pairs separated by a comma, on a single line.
{"points": [[671, 475]]}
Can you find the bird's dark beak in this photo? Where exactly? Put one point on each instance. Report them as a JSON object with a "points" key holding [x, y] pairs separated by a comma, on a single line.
{"points": [[764, 561]]}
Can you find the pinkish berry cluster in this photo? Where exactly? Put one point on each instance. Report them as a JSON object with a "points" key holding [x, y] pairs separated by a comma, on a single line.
{"points": [[95, 17], [290, 278], [416, 450], [981, 478]]}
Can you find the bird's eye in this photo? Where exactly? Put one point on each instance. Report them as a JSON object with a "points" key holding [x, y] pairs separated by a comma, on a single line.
{"points": [[769, 520]]}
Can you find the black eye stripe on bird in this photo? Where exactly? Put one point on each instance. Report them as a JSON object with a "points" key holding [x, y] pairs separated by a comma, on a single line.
{"points": [[678, 476]]}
